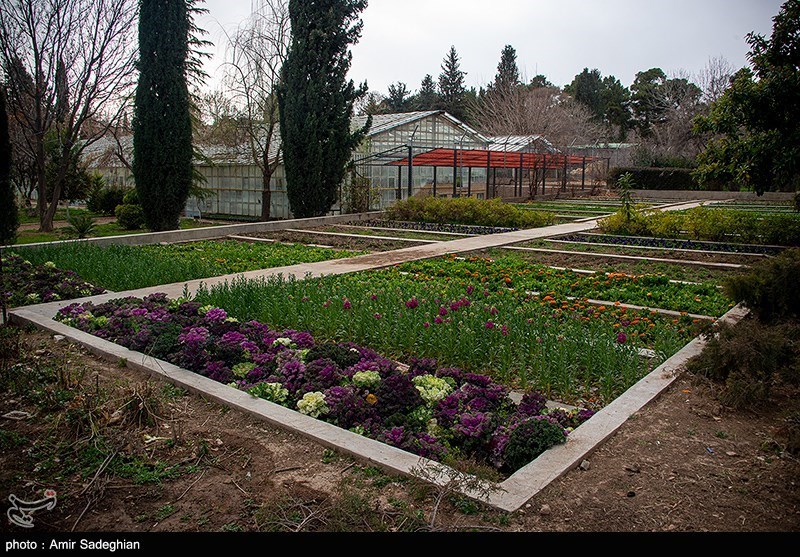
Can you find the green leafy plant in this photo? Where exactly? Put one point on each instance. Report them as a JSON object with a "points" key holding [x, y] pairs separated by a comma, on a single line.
{"points": [[769, 288], [81, 225]]}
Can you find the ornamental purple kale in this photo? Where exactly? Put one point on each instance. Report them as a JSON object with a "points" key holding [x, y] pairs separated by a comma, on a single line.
{"points": [[348, 408]]}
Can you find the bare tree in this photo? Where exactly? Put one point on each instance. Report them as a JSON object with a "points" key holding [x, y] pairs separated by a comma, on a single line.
{"points": [[536, 111], [255, 57], [714, 78], [80, 57]]}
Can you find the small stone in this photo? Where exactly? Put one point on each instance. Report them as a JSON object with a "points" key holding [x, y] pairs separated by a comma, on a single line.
{"points": [[527, 505], [731, 453], [58, 338], [585, 465], [631, 494], [545, 510], [633, 468]]}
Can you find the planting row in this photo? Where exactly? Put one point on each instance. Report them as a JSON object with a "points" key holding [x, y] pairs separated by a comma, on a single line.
{"points": [[669, 243], [436, 412], [571, 350], [122, 268]]}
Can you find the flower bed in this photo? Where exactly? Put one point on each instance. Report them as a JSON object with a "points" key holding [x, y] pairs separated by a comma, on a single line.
{"points": [[670, 243], [432, 411], [582, 354], [435, 227], [123, 268], [515, 272], [22, 283]]}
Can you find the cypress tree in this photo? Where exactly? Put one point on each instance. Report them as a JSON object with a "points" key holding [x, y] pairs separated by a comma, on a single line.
{"points": [[162, 124], [316, 102], [9, 220], [427, 98]]}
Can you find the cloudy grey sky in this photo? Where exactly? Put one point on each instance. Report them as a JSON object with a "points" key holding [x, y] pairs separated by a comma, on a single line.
{"points": [[405, 39]]}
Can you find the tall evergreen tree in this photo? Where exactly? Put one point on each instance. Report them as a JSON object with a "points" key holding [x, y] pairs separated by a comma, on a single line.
{"points": [[317, 101], [9, 220], [162, 123], [398, 98], [452, 92], [507, 77], [587, 88], [427, 97]]}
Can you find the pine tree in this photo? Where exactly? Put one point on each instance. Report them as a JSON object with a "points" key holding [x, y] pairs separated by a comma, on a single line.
{"points": [[317, 101], [452, 92], [507, 77], [9, 220], [162, 123], [427, 98], [398, 98]]}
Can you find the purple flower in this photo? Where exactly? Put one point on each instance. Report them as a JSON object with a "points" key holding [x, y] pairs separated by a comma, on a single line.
{"points": [[216, 315], [489, 324], [346, 304], [412, 303], [442, 311], [622, 338]]}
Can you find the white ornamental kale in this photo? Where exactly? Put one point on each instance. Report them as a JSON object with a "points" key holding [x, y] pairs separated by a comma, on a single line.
{"points": [[313, 404], [432, 389]]}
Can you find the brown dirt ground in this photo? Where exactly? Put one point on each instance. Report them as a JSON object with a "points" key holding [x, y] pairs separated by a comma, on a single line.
{"points": [[684, 463]]}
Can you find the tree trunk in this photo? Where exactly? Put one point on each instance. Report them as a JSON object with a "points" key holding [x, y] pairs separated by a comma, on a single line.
{"points": [[41, 190]]}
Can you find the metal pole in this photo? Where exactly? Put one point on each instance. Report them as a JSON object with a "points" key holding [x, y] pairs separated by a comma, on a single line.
{"points": [[583, 174], [521, 164], [410, 170], [469, 181], [488, 171], [434, 181], [399, 182], [544, 171], [455, 170]]}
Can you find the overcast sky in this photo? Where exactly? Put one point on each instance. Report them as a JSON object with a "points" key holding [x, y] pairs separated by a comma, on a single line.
{"points": [[403, 40]]}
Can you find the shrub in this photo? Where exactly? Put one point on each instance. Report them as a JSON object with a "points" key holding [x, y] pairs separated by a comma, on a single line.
{"points": [[467, 210], [531, 438], [129, 217], [81, 224], [104, 201], [748, 358], [647, 178], [131, 197], [769, 287]]}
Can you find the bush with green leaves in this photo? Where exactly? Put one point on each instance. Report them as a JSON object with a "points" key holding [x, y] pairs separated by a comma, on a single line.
{"points": [[467, 210], [708, 224], [81, 225], [769, 287], [129, 217], [749, 358], [104, 200], [531, 438]]}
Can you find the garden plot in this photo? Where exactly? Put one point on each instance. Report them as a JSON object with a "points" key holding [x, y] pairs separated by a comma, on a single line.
{"points": [[499, 286]]}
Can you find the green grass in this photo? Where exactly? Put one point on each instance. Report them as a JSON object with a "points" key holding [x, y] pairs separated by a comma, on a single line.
{"points": [[121, 268], [99, 231]]}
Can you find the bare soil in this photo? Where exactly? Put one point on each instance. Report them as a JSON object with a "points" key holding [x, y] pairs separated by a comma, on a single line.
{"points": [[684, 463]]}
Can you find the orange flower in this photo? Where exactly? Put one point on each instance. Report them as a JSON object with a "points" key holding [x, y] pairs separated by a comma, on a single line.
{"points": [[371, 399]]}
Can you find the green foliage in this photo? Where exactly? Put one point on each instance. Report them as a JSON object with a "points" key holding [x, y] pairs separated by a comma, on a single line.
{"points": [[103, 200], [769, 288], [131, 197], [452, 93], [755, 136], [467, 210], [428, 97], [9, 218], [530, 439], [129, 217], [162, 125], [655, 178], [748, 358], [704, 223], [316, 102], [81, 224]]}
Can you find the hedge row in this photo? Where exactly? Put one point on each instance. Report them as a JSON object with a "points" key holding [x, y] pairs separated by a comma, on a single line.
{"points": [[646, 178]]}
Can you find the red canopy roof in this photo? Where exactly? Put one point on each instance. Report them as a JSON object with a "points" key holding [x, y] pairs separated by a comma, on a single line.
{"points": [[478, 158]]}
